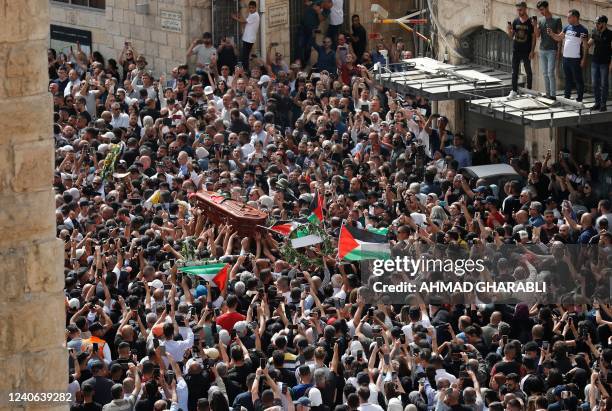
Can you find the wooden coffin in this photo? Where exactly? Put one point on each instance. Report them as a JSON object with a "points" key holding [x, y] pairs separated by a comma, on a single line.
{"points": [[244, 218]]}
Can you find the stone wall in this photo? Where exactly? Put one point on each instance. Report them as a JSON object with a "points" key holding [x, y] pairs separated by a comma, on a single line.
{"points": [[164, 49], [121, 22], [31, 298]]}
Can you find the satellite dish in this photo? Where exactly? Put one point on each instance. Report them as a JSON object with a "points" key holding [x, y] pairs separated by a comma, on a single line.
{"points": [[379, 12]]}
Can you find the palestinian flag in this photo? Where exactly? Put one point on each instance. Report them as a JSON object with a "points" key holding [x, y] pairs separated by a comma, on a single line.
{"points": [[286, 227], [355, 244], [215, 273], [317, 209], [380, 231]]}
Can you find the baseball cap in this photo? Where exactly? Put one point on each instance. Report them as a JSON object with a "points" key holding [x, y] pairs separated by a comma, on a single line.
{"points": [[158, 330], [156, 284], [208, 90], [264, 79], [314, 394], [601, 19], [200, 291], [211, 353], [303, 401], [491, 200], [74, 303]]}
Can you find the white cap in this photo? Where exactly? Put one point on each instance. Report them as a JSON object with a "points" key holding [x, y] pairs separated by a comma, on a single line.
{"points": [[224, 337], [103, 148], [201, 153], [315, 397], [156, 284], [74, 303], [67, 147], [208, 90], [264, 79], [79, 253], [109, 135]]}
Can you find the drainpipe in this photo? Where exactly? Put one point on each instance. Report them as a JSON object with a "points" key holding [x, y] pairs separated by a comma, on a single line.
{"points": [[263, 45]]}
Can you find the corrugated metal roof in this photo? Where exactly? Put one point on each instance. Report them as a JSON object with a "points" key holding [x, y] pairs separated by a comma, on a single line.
{"points": [[539, 112], [439, 81]]}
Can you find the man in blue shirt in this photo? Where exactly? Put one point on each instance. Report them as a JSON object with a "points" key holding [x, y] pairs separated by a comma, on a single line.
{"points": [[535, 216], [327, 56], [459, 152], [587, 231], [574, 37]]}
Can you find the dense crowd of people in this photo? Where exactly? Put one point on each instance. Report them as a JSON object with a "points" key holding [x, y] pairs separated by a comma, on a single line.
{"points": [[279, 335]]}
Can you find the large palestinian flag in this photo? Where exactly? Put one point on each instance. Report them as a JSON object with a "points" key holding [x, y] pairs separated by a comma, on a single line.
{"points": [[215, 273], [355, 244]]}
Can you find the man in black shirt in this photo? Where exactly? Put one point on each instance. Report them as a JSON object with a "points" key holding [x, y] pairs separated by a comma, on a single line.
{"points": [[521, 31], [359, 37], [88, 402], [102, 385], [600, 64]]}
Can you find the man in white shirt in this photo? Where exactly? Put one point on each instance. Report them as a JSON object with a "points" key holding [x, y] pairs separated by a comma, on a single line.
{"points": [[336, 19], [176, 348], [147, 84], [119, 119], [73, 85], [249, 36], [575, 50], [205, 52], [364, 404]]}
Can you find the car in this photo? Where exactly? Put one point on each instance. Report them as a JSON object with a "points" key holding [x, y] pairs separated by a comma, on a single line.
{"points": [[497, 174]]}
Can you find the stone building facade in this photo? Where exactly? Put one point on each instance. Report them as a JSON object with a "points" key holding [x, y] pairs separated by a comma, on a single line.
{"points": [[457, 19], [163, 29], [31, 298]]}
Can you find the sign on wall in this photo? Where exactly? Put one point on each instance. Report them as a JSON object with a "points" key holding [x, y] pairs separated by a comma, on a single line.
{"points": [[278, 15], [171, 20]]}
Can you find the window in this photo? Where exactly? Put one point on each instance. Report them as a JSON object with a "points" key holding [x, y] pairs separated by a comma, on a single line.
{"points": [[491, 48], [94, 4], [223, 24]]}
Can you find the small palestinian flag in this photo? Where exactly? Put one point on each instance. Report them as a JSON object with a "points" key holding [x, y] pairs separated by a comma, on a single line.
{"points": [[285, 227], [215, 273], [317, 209], [355, 244]]}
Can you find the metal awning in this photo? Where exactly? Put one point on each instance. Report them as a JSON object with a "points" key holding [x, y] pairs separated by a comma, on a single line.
{"points": [[535, 111], [439, 81]]}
